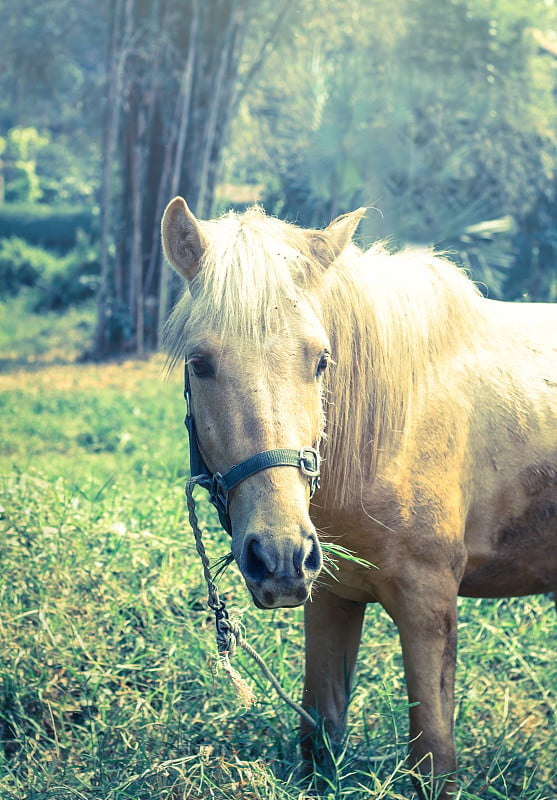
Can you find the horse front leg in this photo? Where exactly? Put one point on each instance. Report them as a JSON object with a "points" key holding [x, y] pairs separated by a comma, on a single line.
{"points": [[333, 628], [425, 613]]}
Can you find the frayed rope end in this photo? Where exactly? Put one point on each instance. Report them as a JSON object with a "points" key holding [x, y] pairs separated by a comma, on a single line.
{"points": [[244, 691]]}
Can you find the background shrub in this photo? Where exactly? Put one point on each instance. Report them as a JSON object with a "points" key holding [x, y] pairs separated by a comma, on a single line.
{"points": [[54, 282], [73, 280], [22, 264]]}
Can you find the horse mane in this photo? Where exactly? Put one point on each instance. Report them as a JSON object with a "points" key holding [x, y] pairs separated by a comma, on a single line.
{"points": [[391, 318]]}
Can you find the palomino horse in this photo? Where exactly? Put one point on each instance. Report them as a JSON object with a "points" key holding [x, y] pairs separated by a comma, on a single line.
{"points": [[435, 413]]}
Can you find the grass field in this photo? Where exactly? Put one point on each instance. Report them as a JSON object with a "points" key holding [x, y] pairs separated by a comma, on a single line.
{"points": [[109, 686]]}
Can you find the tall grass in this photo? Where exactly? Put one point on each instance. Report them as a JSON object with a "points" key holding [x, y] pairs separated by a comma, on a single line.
{"points": [[109, 686]]}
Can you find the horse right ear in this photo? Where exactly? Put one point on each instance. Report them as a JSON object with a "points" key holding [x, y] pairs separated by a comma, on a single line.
{"points": [[183, 240]]}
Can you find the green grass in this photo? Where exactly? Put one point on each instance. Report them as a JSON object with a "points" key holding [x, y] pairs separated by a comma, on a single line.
{"points": [[42, 338], [109, 684]]}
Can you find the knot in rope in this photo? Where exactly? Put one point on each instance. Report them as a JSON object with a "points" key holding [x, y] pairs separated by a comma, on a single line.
{"points": [[228, 632]]}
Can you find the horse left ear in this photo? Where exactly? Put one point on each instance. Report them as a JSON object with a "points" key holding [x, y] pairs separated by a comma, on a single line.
{"points": [[343, 228], [328, 244], [183, 240]]}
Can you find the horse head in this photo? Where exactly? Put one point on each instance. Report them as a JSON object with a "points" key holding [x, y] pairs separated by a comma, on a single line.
{"points": [[256, 359]]}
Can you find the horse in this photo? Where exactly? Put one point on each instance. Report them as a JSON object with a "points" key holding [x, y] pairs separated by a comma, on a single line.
{"points": [[426, 411]]}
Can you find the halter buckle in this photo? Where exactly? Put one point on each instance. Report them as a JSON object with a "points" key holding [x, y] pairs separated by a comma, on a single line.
{"points": [[218, 493], [310, 462]]}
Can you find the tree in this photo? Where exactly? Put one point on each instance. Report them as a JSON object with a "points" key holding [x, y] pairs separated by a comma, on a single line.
{"points": [[50, 73], [440, 114], [175, 72]]}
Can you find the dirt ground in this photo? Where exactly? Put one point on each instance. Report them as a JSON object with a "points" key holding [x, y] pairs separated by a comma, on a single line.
{"points": [[68, 377]]}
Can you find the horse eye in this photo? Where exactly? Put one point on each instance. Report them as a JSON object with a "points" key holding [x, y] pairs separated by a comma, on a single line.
{"points": [[201, 367], [322, 364]]}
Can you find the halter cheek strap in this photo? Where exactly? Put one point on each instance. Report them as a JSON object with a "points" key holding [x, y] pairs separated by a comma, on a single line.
{"points": [[306, 459]]}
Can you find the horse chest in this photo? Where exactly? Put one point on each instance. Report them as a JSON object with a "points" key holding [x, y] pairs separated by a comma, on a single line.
{"points": [[393, 535]]}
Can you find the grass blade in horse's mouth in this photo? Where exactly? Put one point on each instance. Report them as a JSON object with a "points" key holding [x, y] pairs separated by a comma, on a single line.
{"points": [[332, 551]]}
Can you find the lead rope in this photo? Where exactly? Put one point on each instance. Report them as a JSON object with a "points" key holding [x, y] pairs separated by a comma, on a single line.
{"points": [[229, 634]]}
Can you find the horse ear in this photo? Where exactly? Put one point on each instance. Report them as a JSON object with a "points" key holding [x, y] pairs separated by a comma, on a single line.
{"points": [[328, 244], [183, 240], [343, 228]]}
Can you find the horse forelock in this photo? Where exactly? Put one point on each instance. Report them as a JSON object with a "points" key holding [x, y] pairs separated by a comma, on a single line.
{"points": [[391, 318], [255, 273]]}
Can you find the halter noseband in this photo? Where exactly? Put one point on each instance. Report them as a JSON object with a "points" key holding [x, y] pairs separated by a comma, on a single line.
{"points": [[306, 459]]}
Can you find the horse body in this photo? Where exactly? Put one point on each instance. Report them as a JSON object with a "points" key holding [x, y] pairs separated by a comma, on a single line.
{"points": [[467, 506], [438, 436], [479, 467]]}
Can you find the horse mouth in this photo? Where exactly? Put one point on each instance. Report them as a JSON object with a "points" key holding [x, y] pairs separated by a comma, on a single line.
{"points": [[266, 600]]}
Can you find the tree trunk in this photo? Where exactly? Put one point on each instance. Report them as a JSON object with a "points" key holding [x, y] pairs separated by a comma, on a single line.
{"points": [[171, 175], [137, 249], [171, 82], [115, 68]]}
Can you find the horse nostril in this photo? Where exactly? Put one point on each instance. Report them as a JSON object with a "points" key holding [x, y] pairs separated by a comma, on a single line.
{"points": [[312, 561], [307, 558], [256, 565]]}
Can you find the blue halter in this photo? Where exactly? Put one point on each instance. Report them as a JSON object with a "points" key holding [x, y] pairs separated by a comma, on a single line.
{"points": [[306, 459]]}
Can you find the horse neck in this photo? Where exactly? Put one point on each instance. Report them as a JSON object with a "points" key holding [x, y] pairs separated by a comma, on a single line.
{"points": [[394, 320]]}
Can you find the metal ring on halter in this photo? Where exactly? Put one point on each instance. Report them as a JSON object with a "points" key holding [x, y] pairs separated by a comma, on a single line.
{"points": [[308, 455]]}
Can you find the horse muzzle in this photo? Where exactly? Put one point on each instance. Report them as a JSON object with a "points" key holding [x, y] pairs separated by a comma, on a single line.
{"points": [[279, 571]]}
